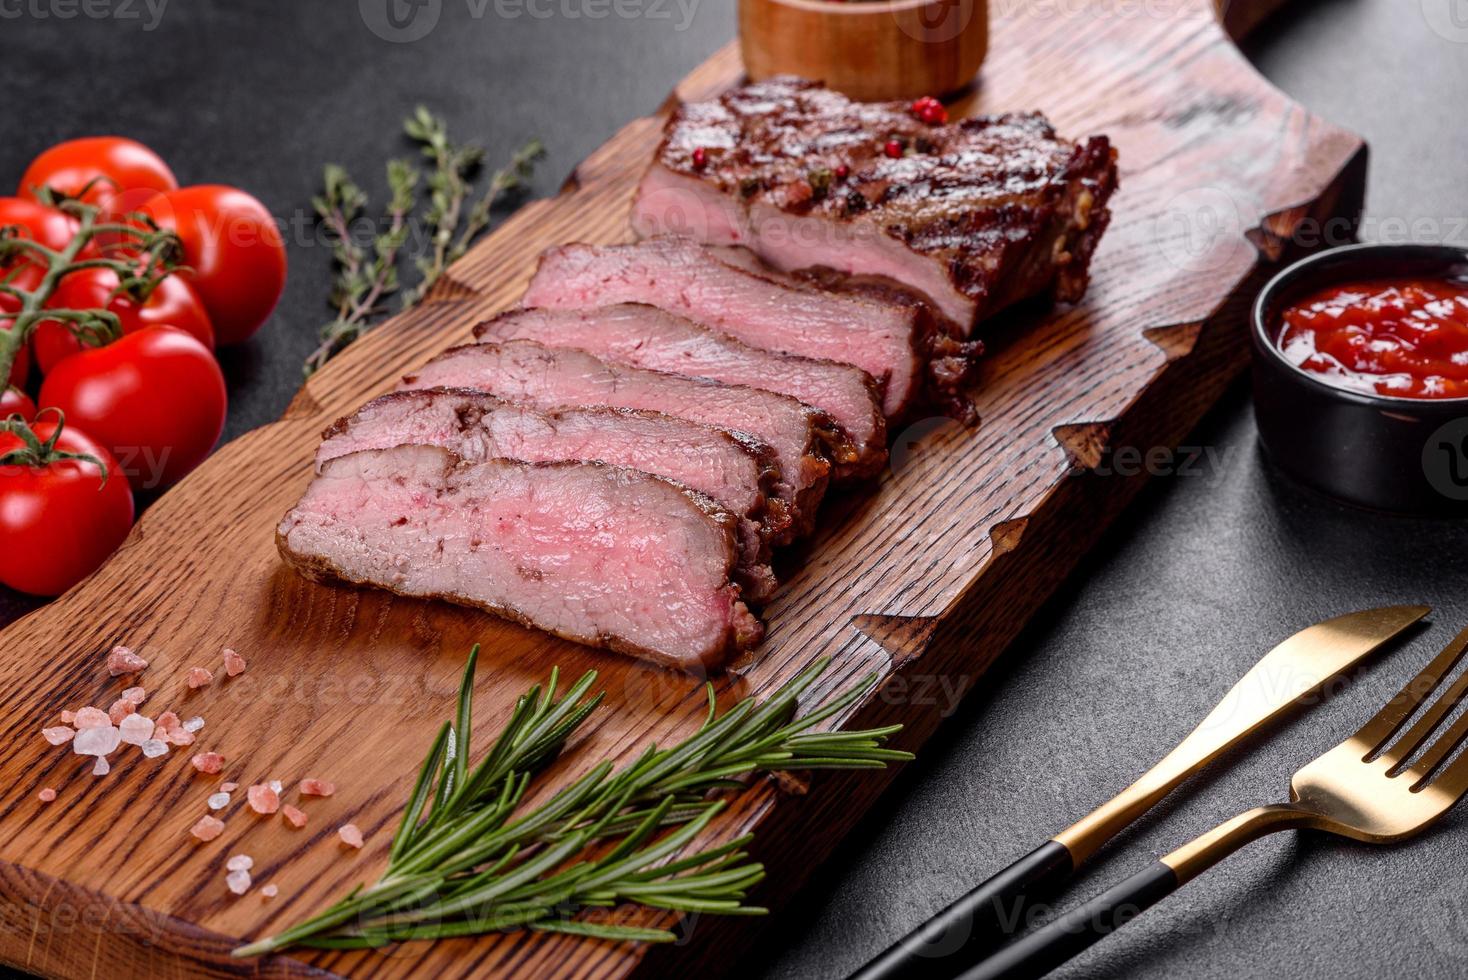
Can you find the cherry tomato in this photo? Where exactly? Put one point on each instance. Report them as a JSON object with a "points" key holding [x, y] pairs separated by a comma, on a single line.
{"points": [[173, 303], [155, 399], [13, 401], [123, 173], [58, 518], [234, 252]]}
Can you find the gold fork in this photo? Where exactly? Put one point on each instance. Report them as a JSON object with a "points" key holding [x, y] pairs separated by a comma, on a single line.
{"points": [[1373, 787]]}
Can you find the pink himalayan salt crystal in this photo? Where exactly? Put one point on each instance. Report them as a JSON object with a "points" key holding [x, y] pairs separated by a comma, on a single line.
{"points": [[67, 717], [317, 787], [350, 835], [294, 817], [96, 741], [136, 729], [208, 828], [210, 762], [101, 767], [238, 881], [228, 787], [136, 695], [120, 709], [90, 717], [234, 664], [167, 721], [46, 795], [240, 862], [179, 736], [58, 736], [263, 799], [269, 891], [198, 677], [123, 661]]}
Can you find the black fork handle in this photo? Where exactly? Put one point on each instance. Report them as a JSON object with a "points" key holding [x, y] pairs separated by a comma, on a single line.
{"points": [[977, 923], [1044, 949]]}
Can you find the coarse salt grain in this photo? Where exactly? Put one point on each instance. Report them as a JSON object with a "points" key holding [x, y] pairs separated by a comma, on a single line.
{"points": [[90, 717], [168, 721], [96, 741], [276, 785], [263, 799], [238, 881], [180, 737], [46, 795], [234, 664], [120, 709], [317, 787], [207, 828], [193, 724], [153, 748], [58, 736], [350, 835], [123, 661], [269, 891], [67, 717], [198, 677], [136, 729], [210, 762], [240, 862], [135, 694], [101, 767], [218, 801], [228, 787], [294, 817]]}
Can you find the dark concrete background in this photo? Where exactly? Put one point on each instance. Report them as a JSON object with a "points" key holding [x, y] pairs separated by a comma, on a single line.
{"points": [[1206, 571]]}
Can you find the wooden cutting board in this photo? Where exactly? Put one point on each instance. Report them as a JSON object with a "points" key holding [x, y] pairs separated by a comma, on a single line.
{"points": [[923, 578]]}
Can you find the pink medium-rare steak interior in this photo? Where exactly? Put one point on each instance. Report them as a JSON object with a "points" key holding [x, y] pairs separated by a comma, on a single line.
{"points": [[976, 214], [646, 337], [548, 378], [731, 471], [601, 555], [682, 277]]}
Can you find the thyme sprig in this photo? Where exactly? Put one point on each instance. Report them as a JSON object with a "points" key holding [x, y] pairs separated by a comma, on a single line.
{"points": [[467, 861], [365, 280]]}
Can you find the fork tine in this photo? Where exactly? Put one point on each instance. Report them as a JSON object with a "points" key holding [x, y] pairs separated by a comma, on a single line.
{"points": [[1379, 730], [1422, 771], [1425, 725]]}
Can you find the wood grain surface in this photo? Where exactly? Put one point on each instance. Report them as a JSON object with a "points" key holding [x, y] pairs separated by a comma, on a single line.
{"points": [[923, 577]]}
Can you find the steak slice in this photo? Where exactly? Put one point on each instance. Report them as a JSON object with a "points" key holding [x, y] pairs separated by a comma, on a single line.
{"points": [[601, 555], [733, 471], [976, 215], [547, 378], [889, 342], [646, 337]]}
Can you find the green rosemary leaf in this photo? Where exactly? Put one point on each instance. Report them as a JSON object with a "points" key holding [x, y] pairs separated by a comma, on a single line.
{"points": [[421, 788], [616, 934]]}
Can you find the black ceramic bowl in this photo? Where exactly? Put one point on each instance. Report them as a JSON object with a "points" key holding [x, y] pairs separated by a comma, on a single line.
{"points": [[1408, 455]]}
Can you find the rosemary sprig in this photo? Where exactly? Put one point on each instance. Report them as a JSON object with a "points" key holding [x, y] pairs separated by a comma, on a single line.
{"points": [[466, 860], [361, 283]]}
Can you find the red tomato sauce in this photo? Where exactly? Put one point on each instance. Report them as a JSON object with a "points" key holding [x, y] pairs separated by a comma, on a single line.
{"points": [[1407, 338]]}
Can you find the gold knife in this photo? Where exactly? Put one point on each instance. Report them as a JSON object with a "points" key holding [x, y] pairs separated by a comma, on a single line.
{"points": [[971, 927]]}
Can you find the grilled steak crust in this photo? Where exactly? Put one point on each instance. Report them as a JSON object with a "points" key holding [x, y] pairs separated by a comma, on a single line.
{"points": [[598, 554], [732, 471], [891, 342], [548, 378], [976, 214], [646, 337]]}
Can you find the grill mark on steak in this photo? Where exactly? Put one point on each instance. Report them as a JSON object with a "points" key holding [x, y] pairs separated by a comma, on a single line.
{"points": [[976, 215]]}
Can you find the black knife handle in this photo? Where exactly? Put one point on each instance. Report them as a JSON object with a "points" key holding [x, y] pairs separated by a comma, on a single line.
{"points": [[1044, 949], [977, 923]]}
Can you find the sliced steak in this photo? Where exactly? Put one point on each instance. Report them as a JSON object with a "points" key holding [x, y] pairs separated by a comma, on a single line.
{"points": [[605, 556], [547, 378], [731, 470], [976, 214], [890, 342], [646, 337]]}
